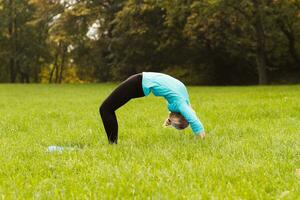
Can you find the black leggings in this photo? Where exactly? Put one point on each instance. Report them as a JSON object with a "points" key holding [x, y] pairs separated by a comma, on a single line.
{"points": [[129, 89]]}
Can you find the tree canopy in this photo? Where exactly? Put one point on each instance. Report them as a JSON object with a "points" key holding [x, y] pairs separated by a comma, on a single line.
{"points": [[199, 41]]}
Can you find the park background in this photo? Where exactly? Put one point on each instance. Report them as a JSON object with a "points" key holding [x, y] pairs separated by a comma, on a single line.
{"points": [[252, 147], [209, 42]]}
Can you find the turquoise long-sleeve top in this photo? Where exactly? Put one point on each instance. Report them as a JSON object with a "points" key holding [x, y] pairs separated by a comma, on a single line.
{"points": [[176, 95]]}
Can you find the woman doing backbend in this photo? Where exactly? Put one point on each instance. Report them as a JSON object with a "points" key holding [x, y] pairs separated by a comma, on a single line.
{"points": [[139, 85]]}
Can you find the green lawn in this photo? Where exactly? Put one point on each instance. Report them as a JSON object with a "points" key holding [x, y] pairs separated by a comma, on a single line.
{"points": [[252, 148]]}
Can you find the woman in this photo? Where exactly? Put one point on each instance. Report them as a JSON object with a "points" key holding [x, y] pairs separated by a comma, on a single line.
{"points": [[142, 84]]}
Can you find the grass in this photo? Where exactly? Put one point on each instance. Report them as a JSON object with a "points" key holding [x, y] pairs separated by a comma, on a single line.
{"points": [[252, 149]]}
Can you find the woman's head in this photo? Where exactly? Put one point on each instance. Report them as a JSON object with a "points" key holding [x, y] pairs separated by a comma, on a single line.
{"points": [[176, 120]]}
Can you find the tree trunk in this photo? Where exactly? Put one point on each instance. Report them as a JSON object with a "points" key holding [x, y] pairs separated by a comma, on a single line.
{"points": [[51, 74], [260, 43], [56, 73], [57, 65], [12, 41], [27, 80], [36, 74], [292, 43], [63, 60], [293, 50], [24, 77], [54, 67]]}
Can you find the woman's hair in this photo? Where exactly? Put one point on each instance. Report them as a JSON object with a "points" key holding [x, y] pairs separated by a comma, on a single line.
{"points": [[176, 120]]}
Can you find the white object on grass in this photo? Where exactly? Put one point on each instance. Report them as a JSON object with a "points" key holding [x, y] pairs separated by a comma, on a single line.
{"points": [[55, 149], [59, 149]]}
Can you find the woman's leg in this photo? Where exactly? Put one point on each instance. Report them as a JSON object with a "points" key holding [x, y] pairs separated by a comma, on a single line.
{"points": [[130, 88]]}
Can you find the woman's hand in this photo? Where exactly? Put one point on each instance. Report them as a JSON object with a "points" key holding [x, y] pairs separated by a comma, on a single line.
{"points": [[201, 135]]}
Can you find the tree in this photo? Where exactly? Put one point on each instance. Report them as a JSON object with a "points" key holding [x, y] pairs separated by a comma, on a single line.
{"points": [[204, 41], [287, 17]]}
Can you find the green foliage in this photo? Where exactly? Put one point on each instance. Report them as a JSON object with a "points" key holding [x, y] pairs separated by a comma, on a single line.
{"points": [[228, 42], [251, 150], [198, 76]]}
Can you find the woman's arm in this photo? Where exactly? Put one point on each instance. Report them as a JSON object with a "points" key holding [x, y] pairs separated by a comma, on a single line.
{"points": [[190, 116]]}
